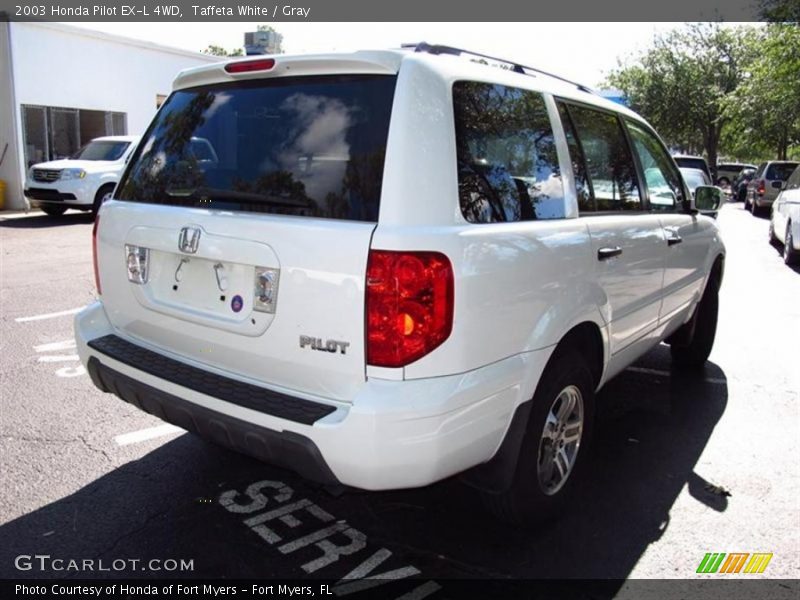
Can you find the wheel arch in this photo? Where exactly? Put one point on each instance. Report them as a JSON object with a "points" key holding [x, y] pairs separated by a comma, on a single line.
{"points": [[496, 475]]}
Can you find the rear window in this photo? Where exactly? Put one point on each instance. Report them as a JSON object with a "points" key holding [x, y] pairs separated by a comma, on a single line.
{"points": [[780, 171], [307, 146], [692, 163]]}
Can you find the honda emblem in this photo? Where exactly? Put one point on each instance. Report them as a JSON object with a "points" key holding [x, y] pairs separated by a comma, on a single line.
{"points": [[189, 240]]}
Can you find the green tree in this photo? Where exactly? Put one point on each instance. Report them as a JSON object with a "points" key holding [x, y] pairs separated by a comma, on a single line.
{"points": [[681, 83], [766, 106], [215, 50]]}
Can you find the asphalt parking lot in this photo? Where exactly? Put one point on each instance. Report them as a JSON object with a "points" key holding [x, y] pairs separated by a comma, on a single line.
{"points": [[681, 466]]}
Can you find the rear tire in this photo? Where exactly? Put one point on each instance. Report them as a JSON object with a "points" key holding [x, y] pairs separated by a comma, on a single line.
{"points": [[694, 354], [54, 211], [790, 255], [555, 446]]}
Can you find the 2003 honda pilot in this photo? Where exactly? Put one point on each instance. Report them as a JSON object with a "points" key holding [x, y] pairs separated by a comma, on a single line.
{"points": [[391, 267]]}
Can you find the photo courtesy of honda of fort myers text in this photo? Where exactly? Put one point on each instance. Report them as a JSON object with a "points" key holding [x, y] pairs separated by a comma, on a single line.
{"points": [[316, 300]]}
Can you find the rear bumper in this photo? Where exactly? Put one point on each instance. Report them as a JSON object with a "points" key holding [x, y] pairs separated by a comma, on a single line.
{"points": [[284, 449], [395, 434], [763, 202]]}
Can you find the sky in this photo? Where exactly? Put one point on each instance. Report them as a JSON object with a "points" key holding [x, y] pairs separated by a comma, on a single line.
{"points": [[591, 50]]}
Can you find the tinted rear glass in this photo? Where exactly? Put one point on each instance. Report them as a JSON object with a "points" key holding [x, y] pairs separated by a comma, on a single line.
{"points": [[780, 171], [692, 163], [311, 146]]}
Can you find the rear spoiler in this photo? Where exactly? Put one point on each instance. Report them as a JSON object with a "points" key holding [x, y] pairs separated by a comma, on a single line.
{"points": [[364, 63]]}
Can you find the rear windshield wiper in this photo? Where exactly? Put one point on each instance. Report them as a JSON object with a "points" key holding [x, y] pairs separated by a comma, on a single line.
{"points": [[234, 195]]}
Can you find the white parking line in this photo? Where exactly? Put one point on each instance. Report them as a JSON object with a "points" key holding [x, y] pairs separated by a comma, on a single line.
{"points": [[62, 313], [146, 434], [59, 358], [53, 346]]}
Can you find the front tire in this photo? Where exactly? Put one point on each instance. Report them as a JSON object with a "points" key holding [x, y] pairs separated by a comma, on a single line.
{"points": [[694, 354], [555, 446], [54, 211], [790, 255], [103, 194]]}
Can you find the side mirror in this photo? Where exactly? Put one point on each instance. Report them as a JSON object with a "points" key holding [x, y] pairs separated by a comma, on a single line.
{"points": [[708, 199]]}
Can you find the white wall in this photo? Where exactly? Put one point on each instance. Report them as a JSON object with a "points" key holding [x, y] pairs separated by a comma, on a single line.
{"points": [[57, 65], [10, 168]]}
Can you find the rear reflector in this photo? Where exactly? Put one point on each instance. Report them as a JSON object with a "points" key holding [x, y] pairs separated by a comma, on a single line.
{"points": [[409, 305], [762, 188], [248, 66], [94, 255]]}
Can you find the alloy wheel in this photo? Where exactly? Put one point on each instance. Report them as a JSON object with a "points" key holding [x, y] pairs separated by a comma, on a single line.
{"points": [[560, 440]]}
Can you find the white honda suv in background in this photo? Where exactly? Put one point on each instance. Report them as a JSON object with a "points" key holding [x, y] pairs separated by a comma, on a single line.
{"points": [[397, 266], [83, 181]]}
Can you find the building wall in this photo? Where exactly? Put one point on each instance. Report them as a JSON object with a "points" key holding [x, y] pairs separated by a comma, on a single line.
{"points": [[10, 167], [57, 65]]}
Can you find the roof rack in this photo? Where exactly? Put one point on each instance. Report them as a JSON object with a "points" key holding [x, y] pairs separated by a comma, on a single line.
{"points": [[515, 66]]}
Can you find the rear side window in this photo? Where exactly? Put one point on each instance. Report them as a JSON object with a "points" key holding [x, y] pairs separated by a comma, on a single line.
{"points": [[780, 171], [609, 164], [308, 146], [507, 164], [584, 191]]}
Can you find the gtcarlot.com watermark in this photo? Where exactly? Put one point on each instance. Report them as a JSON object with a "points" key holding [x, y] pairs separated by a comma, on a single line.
{"points": [[48, 563]]}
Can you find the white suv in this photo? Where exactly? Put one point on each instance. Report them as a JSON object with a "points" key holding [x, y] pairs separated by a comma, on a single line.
{"points": [[398, 266], [83, 181]]}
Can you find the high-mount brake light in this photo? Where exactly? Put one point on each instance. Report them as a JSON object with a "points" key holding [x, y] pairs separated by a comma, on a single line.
{"points": [[409, 305], [249, 66]]}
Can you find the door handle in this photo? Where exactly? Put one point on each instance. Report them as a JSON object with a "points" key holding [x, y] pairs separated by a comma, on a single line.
{"points": [[606, 253], [671, 241]]}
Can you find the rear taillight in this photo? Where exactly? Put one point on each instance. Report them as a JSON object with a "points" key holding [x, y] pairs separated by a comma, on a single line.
{"points": [[762, 188], [94, 255], [409, 305]]}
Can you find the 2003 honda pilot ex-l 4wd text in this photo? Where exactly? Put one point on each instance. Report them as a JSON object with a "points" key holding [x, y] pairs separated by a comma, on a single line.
{"points": [[395, 267]]}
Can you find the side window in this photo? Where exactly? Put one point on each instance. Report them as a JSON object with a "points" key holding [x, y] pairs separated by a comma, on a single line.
{"points": [[507, 163], [662, 179], [582, 187], [609, 162]]}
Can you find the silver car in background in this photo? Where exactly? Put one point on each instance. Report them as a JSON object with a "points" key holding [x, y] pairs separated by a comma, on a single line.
{"points": [[784, 225], [767, 183]]}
